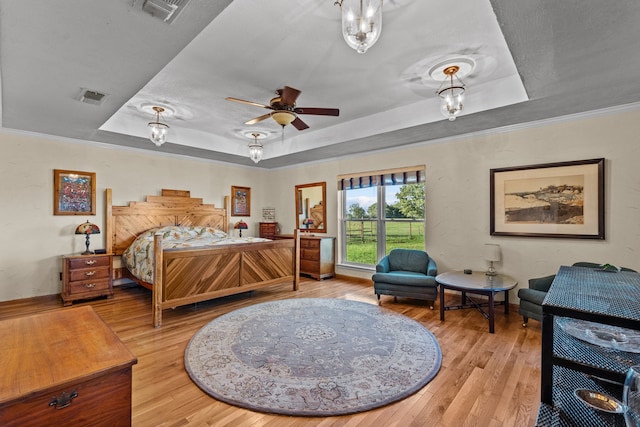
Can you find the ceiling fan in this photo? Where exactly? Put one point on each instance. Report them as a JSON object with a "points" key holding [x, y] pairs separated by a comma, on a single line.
{"points": [[284, 111]]}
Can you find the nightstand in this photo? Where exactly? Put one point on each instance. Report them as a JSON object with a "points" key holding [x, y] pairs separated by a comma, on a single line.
{"points": [[268, 229], [86, 276]]}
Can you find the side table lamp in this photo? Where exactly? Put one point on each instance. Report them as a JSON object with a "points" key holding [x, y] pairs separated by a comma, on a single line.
{"points": [[491, 254], [241, 225], [87, 229]]}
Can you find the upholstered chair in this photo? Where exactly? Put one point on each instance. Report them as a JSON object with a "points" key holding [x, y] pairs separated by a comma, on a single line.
{"points": [[406, 273], [531, 298]]}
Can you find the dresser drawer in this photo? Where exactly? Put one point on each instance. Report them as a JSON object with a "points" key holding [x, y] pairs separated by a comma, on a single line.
{"points": [[102, 401], [310, 243], [309, 267], [88, 262], [79, 287], [88, 274], [310, 254]]}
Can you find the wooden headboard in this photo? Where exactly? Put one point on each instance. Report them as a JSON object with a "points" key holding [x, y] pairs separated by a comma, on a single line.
{"points": [[173, 207]]}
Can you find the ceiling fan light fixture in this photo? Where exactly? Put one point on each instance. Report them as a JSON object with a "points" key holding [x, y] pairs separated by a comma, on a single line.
{"points": [[451, 93], [283, 117], [159, 130], [255, 147], [361, 22]]}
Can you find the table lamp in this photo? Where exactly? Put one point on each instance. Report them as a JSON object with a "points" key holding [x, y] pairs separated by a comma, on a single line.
{"points": [[308, 222], [241, 225], [88, 229], [491, 254]]}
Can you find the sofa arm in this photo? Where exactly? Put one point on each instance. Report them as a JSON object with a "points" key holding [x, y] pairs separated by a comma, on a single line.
{"points": [[541, 283], [432, 268], [383, 265]]}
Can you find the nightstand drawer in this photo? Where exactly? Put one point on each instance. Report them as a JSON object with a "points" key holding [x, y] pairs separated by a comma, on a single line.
{"points": [[89, 262], [88, 274], [89, 286]]}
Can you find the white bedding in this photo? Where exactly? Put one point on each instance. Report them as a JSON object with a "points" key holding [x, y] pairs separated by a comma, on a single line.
{"points": [[138, 258]]}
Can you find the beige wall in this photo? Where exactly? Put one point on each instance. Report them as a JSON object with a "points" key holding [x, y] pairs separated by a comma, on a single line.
{"points": [[457, 195]]}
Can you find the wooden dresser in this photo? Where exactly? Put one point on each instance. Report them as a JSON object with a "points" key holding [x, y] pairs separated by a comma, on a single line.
{"points": [[86, 276], [268, 230], [64, 367], [317, 256]]}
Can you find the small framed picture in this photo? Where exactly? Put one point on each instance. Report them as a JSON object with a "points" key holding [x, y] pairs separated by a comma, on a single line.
{"points": [[240, 201], [74, 192]]}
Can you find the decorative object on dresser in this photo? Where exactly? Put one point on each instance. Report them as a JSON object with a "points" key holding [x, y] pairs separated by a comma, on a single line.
{"points": [[317, 256], [74, 192], [87, 229], [268, 230], [64, 367], [240, 201], [189, 274], [312, 357], [240, 225], [86, 276]]}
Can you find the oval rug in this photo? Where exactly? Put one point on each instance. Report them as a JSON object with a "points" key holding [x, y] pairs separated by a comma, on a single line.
{"points": [[312, 357]]}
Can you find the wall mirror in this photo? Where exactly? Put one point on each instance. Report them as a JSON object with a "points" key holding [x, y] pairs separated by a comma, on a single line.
{"points": [[311, 211]]}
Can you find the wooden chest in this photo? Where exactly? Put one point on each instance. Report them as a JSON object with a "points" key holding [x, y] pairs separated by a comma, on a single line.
{"points": [[86, 276], [317, 257], [64, 367]]}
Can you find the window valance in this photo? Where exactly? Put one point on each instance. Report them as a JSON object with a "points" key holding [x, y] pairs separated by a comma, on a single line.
{"points": [[401, 176]]}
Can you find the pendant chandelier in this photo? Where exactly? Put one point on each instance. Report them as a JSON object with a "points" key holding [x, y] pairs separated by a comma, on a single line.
{"points": [[451, 93], [255, 148], [159, 130], [361, 22]]}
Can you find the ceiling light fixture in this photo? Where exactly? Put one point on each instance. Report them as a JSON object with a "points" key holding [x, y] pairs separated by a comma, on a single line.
{"points": [[255, 148], [159, 130], [361, 22], [451, 94]]}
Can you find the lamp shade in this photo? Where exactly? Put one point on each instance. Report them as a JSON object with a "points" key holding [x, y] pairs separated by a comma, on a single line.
{"points": [[87, 228], [241, 225], [491, 252]]}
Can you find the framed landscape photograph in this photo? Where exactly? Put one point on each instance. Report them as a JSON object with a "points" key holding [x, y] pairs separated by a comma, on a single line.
{"points": [[549, 200], [74, 193], [240, 201]]}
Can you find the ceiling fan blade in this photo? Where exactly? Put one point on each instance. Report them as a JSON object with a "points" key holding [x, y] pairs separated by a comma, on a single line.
{"points": [[258, 119], [299, 124], [318, 111], [289, 95], [242, 101]]}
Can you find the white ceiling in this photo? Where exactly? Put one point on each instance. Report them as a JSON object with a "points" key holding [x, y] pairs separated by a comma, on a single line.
{"points": [[534, 60]]}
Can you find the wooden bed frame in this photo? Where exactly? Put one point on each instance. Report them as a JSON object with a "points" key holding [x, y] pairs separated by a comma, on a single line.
{"points": [[187, 276]]}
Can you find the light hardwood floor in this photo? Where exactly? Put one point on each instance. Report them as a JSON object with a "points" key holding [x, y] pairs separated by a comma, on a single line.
{"points": [[485, 379]]}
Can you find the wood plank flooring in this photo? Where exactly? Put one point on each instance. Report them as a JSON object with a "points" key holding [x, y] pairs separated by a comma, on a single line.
{"points": [[485, 379]]}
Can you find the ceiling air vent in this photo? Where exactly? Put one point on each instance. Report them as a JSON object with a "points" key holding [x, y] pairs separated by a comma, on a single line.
{"points": [[165, 10], [89, 96]]}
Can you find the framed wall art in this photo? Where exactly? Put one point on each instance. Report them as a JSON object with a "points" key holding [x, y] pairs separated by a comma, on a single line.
{"points": [[240, 201], [74, 192], [549, 200]]}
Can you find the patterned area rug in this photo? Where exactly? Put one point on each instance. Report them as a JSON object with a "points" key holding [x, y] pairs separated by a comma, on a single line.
{"points": [[312, 357]]}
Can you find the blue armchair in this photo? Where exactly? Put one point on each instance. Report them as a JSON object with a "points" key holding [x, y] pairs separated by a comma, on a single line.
{"points": [[406, 273]]}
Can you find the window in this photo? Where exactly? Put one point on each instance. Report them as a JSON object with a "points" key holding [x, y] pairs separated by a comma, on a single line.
{"points": [[381, 211]]}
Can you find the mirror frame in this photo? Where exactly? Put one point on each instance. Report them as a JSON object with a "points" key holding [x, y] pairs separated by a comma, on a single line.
{"points": [[300, 206]]}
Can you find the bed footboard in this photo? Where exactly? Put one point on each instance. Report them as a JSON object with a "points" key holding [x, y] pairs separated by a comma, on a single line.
{"points": [[186, 276]]}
